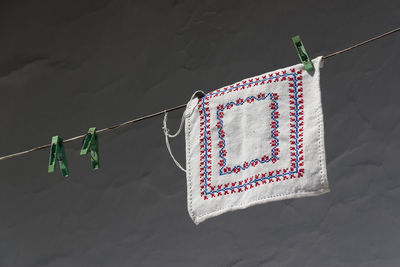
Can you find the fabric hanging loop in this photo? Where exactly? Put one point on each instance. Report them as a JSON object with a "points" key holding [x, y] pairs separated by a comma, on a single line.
{"points": [[198, 93]]}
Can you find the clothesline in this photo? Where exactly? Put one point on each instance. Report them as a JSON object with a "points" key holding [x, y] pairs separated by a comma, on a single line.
{"points": [[180, 106]]}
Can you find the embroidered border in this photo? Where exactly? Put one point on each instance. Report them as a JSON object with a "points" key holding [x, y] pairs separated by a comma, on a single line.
{"points": [[296, 117], [274, 133]]}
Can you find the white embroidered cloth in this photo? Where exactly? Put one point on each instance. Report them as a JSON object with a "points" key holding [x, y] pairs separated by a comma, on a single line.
{"points": [[258, 140]]}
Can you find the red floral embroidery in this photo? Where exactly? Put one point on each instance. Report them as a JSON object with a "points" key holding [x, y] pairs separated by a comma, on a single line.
{"points": [[296, 118]]}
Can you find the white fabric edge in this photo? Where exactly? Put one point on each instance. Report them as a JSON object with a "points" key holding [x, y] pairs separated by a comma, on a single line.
{"points": [[322, 153], [189, 176], [200, 219]]}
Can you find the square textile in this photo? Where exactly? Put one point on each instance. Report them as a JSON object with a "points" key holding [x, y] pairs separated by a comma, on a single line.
{"points": [[255, 141]]}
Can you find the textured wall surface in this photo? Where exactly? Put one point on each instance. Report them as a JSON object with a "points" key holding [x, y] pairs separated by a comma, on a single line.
{"points": [[68, 65]]}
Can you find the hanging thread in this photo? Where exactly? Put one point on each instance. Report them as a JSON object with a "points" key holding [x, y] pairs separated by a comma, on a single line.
{"points": [[168, 135]]}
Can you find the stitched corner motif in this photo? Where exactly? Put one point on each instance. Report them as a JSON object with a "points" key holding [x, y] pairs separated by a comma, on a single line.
{"points": [[293, 79]]}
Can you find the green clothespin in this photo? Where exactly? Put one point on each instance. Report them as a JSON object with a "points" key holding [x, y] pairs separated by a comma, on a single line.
{"points": [[57, 153], [305, 59], [90, 143]]}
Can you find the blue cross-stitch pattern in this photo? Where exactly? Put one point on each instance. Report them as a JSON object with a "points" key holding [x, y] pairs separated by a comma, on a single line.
{"points": [[296, 110], [221, 172]]}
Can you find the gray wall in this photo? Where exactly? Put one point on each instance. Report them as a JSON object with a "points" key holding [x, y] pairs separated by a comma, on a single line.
{"points": [[68, 65]]}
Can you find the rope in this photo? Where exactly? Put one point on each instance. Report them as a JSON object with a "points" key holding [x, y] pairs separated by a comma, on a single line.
{"points": [[181, 106], [362, 43]]}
